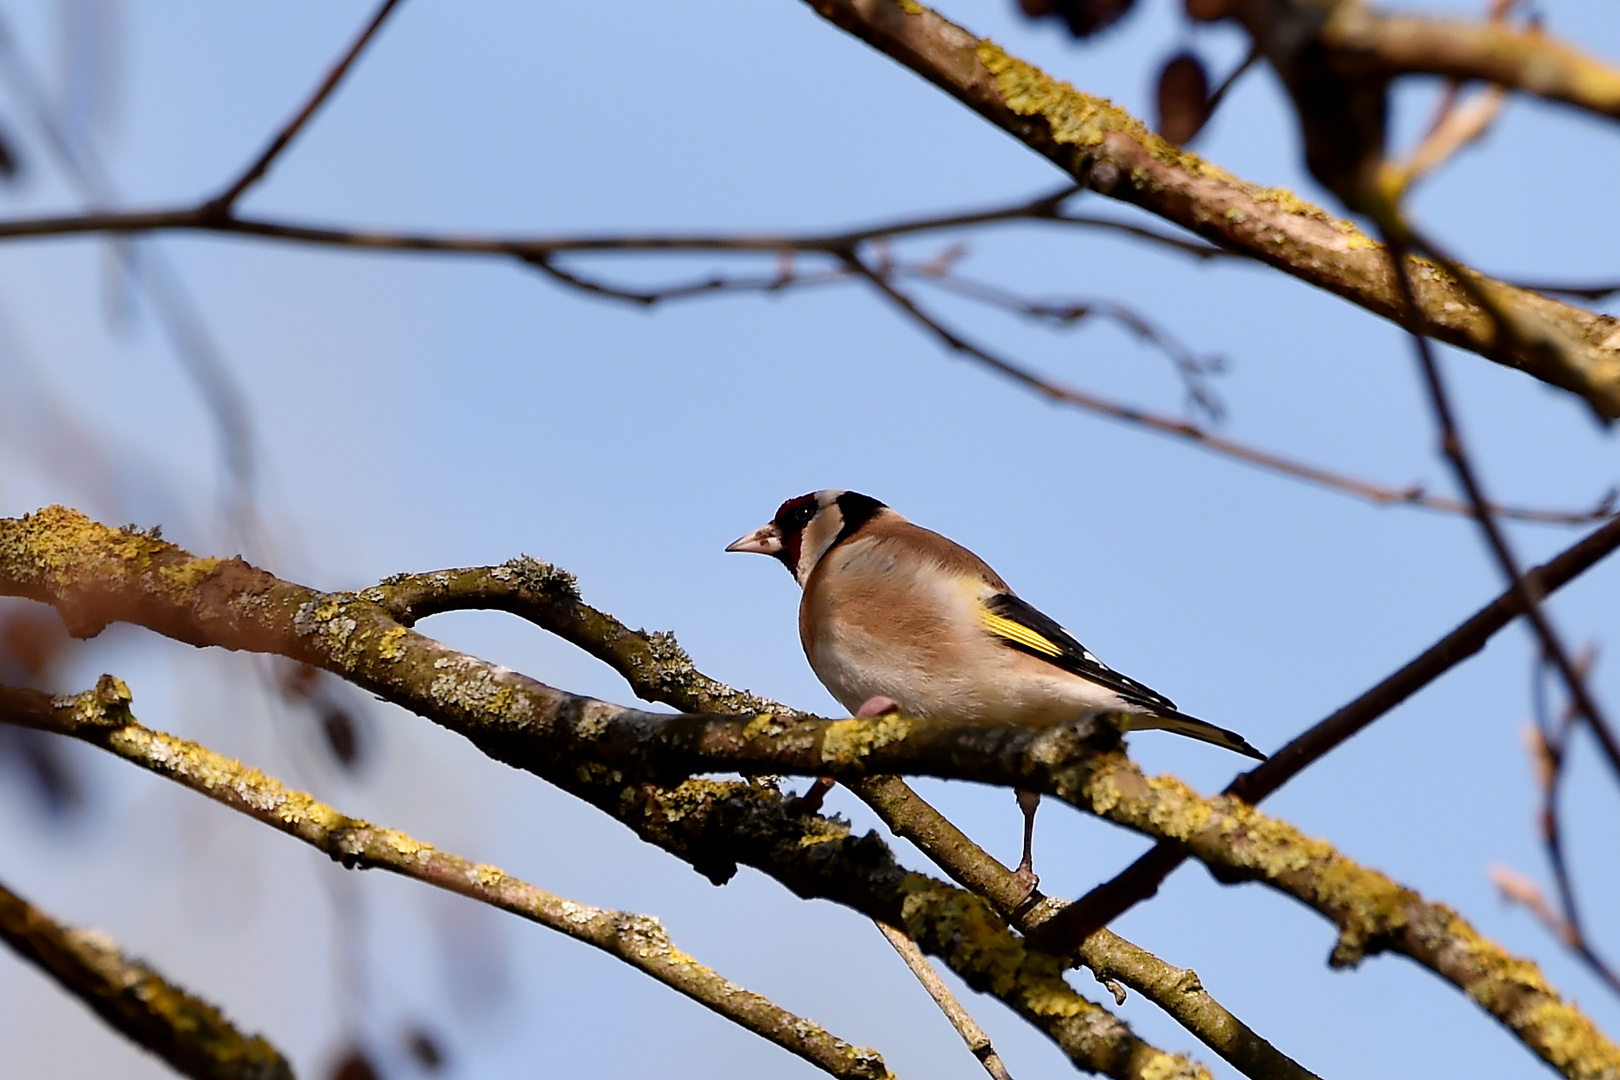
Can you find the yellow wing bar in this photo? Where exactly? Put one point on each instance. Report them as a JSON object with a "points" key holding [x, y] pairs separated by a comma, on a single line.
{"points": [[1003, 627]]}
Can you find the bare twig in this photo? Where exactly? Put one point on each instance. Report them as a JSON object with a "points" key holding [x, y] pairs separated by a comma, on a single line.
{"points": [[1550, 748], [1202, 437], [978, 1043], [101, 717], [221, 204], [1600, 291], [191, 1035], [541, 252], [1142, 878], [1456, 128]]}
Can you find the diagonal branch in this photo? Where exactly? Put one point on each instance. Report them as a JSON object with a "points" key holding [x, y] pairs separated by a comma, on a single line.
{"points": [[191, 1035], [978, 1043], [94, 575], [1199, 436], [101, 717], [1096, 142]]}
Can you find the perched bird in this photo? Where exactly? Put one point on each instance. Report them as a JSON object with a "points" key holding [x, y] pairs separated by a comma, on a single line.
{"points": [[894, 616]]}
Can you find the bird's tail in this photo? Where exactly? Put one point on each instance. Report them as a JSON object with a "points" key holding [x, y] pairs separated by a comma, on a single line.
{"points": [[1193, 728]]}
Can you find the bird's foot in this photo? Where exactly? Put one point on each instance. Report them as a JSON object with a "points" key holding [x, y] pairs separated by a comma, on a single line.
{"points": [[1027, 879], [877, 706]]}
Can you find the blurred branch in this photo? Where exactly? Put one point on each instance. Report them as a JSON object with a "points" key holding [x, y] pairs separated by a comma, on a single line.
{"points": [[713, 825], [1492, 52], [221, 204], [1114, 154], [1456, 127], [191, 1035], [177, 313], [978, 1042], [1142, 878], [658, 669], [1600, 291], [94, 575], [101, 717]]}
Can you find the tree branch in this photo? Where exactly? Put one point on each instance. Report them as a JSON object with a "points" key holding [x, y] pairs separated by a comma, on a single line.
{"points": [[658, 669], [101, 717], [539, 252], [1114, 153], [191, 1035], [93, 575]]}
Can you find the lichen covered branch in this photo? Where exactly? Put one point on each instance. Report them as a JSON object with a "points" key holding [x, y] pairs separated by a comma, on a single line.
{"points": [[94, 575], [658, 669], [599, 752], [102, 718], [190, 1034]]}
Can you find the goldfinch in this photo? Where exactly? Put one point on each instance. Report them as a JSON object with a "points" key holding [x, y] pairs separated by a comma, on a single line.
{"points": [[895, 616]]}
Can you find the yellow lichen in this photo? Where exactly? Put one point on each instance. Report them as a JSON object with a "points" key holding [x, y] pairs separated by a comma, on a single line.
{"points": [[846, 742], [391, 645], [188, 574], [1073, 117], [764, 725]]}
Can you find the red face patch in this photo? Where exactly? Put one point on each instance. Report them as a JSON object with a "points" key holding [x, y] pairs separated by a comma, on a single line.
{"points": [[791, 519]]}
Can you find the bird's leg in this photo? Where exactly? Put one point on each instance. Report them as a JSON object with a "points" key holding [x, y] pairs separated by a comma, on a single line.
{"points": [[810, 801], [1028, 802]]}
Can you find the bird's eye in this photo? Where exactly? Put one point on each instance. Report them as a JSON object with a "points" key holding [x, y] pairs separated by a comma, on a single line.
{"points": [[803, 514]]}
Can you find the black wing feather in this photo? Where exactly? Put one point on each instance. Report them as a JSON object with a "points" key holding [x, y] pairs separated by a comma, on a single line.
{"points": [[1072, 656]]}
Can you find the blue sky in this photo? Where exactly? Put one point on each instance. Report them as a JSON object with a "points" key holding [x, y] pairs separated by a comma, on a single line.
{"points": [[413, 413]]}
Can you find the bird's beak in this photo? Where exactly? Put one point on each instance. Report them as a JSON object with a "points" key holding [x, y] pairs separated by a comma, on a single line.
{"points": [[765, 540]]}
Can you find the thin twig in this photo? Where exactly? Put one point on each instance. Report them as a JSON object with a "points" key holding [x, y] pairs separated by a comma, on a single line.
{"points": [[221, 204], [1263, 459], [1600, 291], [978, 1043], [1552, 747], [1143, 877], [540, 253]]}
